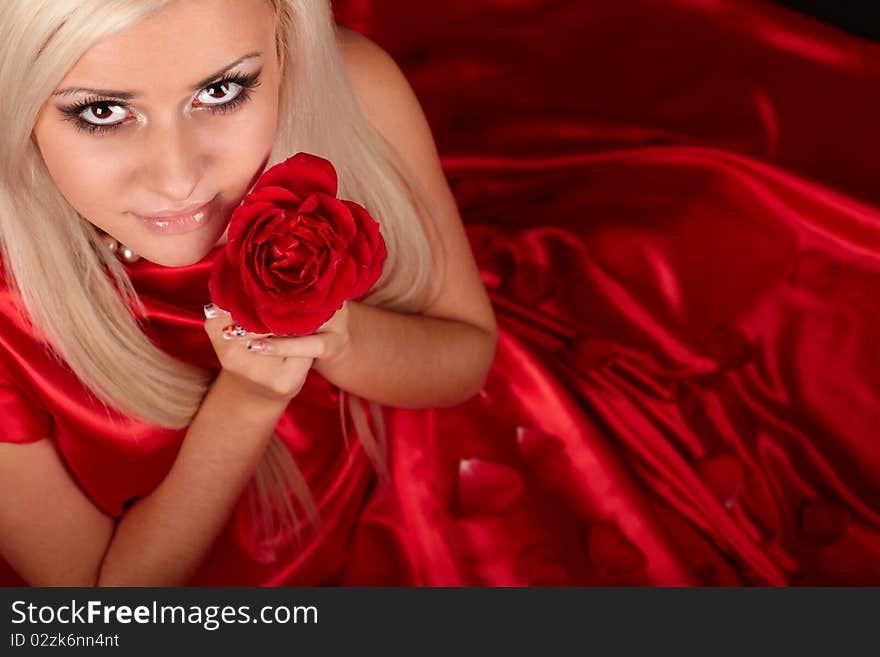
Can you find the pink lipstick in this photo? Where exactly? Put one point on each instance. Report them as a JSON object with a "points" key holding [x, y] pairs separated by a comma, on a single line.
{"points": [[181, 221]]}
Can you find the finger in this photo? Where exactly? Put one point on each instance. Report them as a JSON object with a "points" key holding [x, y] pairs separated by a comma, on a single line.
{"points": [[233, 331], [309, 346], [229, 329], [213, 311]]}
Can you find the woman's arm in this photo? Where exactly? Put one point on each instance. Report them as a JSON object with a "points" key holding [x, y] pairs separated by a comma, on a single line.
{"points": [[410, 361], [51, 533], [164, 536]]}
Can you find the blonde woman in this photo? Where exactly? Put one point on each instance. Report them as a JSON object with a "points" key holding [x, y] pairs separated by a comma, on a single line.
{"points": [[139, 445], [682, 390]]}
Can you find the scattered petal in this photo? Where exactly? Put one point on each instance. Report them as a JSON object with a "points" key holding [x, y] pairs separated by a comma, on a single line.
{"points": [[486, 487]]}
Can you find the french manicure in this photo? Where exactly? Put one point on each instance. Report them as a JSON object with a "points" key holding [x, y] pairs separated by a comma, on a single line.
{"points": [[212, 311], [259, 345]]}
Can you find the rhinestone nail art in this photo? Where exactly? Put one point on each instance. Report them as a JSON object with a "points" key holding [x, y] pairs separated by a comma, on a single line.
{"points": [[233, 331]]}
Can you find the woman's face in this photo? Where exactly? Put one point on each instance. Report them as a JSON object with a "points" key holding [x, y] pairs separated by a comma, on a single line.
{"points": [[175, 112]]}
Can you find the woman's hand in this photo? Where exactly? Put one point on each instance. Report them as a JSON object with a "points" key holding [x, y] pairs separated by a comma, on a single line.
{"points": [[332, 339], [275, 379], [272, 366]]}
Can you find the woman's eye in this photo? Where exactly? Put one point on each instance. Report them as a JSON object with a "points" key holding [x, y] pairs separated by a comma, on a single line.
{"points": [[96, 116], [103, 114], [220, 93]]}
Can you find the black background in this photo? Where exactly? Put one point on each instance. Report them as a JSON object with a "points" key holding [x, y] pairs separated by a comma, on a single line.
{"points": [[857, 18]]}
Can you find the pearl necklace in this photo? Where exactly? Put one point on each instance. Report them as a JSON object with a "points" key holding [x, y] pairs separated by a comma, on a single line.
{"points": [[122, 252]]}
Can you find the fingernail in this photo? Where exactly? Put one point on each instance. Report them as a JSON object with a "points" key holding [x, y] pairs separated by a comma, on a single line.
{"points": [[231, 331], [259, 345], [212, 311]]}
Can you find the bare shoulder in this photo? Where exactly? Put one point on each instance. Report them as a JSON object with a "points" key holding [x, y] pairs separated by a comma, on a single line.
{"points": [[346, 37], [390, 104], [378, 82], [355, 46]]}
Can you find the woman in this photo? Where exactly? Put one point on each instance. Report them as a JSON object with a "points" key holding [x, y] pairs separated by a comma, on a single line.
{"points": [[142, 149], [667, 222]]}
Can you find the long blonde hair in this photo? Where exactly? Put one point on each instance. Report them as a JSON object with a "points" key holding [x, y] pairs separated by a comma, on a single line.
{"points": [[58, 265]]}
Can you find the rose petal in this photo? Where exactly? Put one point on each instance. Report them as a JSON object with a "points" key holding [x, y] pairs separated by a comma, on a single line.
{"points": [[368, 226], [271, 228], [374, 274], [346, 277], [360, 251], [277, 196], [486, 487], [244, 222], [220, 273], [313, 296], [227, 292], [309, 205], [303, 173], [337, 214]]}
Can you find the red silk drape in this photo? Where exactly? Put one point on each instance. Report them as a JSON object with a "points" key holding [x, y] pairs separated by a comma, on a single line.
{"points": [[673, 206]]}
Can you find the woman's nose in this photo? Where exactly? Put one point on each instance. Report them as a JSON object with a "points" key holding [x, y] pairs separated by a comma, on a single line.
{"points": [[175, 162]]}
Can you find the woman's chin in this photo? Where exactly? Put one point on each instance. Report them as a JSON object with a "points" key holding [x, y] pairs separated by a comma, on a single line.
{"points": [[179, 257]]}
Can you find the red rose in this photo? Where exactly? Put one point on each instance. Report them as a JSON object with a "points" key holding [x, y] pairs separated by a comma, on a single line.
{"points": [[295, 253]]}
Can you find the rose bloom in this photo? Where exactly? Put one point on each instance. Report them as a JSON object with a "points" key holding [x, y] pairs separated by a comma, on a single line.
{"points": [[295, 252]]}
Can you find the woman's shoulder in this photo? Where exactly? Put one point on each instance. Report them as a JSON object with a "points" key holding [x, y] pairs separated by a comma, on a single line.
{"points": [[390, 103], [353, 42], [377, 80]]}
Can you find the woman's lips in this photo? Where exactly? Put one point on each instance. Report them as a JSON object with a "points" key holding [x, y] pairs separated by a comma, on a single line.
{"points": [[183, 223]]}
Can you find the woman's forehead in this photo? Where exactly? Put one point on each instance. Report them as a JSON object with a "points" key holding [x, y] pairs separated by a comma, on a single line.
{"points": [[177, 46]]}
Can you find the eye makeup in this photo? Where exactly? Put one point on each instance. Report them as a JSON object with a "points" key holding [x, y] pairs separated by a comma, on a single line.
{"points": [[73, 113]]}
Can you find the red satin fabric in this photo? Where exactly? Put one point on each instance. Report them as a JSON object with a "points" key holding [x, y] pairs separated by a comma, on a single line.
{"points": [[672, 205]]}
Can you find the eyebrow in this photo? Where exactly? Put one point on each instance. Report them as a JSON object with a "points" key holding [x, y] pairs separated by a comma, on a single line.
{"points": [[128, 95]]}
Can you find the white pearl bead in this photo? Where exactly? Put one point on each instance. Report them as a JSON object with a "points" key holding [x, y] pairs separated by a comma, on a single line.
{"points": [[110, 243], [127, 255]]}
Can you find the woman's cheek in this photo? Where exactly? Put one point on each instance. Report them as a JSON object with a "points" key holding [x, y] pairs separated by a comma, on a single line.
{"points": [[248, 144], [89, 176]]}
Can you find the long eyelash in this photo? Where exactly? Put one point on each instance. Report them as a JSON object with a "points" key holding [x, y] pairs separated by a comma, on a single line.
{"points": [[247, 82]]}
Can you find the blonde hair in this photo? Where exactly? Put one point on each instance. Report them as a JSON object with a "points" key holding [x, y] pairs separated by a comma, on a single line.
{"points": [[79, 296]]}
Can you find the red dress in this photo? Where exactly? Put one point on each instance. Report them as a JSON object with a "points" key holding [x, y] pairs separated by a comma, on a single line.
{"points": [[674, 207]]}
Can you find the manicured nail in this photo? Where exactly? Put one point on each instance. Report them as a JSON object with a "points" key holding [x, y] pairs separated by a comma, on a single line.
{"points": [[212, 311], [259, 345], [231, 331]]}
